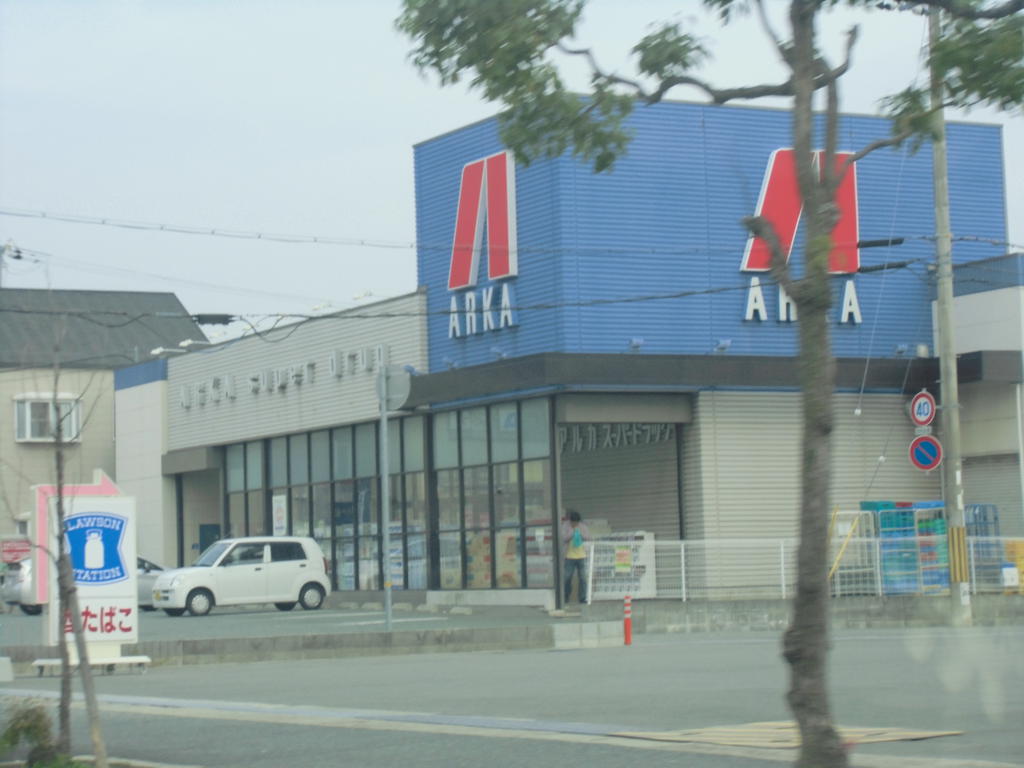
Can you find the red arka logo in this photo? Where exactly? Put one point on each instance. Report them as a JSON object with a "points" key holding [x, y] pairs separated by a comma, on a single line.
{"points": [[780, 204], [487, 194]]}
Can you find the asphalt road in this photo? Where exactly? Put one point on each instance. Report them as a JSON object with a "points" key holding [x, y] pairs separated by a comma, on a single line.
{"points": [[548, 708]]}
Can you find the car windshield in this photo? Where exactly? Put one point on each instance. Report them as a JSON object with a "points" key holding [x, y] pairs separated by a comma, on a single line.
{"points": [[209, 557]]}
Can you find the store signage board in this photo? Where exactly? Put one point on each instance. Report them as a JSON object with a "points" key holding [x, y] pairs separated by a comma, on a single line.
{"points": [[99, 535], [14, 550], [45, 517], [922, 408], [781, 204], [487, 196], [925, 452]]}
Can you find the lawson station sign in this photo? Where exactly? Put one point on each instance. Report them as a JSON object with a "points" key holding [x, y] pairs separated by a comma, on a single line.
{"points": [[487, 202]]}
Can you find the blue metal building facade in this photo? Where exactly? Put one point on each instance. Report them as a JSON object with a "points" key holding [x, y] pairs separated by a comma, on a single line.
{"points": [[666, 221]]}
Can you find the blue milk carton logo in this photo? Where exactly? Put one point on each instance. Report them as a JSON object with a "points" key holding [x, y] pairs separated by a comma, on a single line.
{"points": [[94, 542]]}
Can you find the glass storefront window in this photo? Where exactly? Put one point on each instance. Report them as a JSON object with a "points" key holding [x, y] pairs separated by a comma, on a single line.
{"points": [[536, 428], [537, 492], [397, 503], [394, 446], [345, 563], [507, 559], [417, 561], [474, 436], [342, 439], [448, 500], [257, 513], [416, 525], [366, 450], [477, 501], [478, 559], [320, 457], [322, 523], [300, 510], [253, 465], [397, 561], [369, 557], [236, 514], [322, 513], [298, 459], [451, 560], [506, 494], [344, 509], [504, 432], [416, 502], [540, 562], [278, 462], [412, 445], [366, 506], [446, 440], [235, 460]]}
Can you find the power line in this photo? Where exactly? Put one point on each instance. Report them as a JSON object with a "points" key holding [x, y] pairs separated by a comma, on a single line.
{"points": [[354, 315], [298, 239]]}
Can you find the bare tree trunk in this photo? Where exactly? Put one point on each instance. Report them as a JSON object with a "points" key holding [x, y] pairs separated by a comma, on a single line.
{"points": [[68, 606], [64, 707], [66, 579], [805, 644]]}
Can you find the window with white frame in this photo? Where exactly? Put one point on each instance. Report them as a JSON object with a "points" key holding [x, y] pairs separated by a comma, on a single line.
{"points": [[37, 415]]}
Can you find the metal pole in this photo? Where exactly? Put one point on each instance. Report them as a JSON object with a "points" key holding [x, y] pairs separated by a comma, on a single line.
{"points": [[385, 495], [952, 482]]}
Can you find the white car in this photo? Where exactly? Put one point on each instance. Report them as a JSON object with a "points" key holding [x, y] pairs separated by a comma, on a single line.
{"points": [[18, 588], [283, 570]]}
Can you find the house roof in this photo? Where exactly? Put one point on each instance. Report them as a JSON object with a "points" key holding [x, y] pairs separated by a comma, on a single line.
{"points": [[88, 329]]}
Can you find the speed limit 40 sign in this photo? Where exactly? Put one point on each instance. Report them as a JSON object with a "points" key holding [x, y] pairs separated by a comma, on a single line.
{"points": [[922, 408]]}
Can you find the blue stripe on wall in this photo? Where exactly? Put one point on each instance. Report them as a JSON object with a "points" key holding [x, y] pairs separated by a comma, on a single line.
{"points": [[143, 373]]}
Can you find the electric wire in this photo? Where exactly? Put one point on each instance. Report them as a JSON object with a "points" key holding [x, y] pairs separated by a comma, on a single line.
{"points": [[367, 242]]}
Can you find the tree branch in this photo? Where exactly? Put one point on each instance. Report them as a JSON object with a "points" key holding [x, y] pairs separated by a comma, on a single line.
{"points": [[717, 95], [588, 54], [966, 10], [770, 31], [760, 227]]}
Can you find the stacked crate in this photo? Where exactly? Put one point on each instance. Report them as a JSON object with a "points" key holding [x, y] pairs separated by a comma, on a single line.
{"points": [[986, 551], [897, 531], [933, 546]]}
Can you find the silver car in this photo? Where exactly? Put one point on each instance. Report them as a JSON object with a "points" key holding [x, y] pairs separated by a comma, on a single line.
{"points": [[18, 588]]}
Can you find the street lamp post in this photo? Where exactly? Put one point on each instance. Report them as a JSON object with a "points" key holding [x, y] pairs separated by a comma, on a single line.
{"points": [[393, 384]]}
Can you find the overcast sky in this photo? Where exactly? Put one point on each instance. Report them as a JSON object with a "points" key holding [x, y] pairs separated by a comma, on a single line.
{"points": [[293, 117]]}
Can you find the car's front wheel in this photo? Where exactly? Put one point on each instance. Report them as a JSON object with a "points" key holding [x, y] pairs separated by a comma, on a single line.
{"points": [[284, 606], [311, 597], [174, 611], [31, 610], [199, 602]]}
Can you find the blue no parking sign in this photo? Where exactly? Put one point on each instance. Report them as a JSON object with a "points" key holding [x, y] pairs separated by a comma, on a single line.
{"points": [[925, 452]]}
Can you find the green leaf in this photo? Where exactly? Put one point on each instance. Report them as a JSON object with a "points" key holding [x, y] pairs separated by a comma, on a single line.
{"points": [[669, 52]]}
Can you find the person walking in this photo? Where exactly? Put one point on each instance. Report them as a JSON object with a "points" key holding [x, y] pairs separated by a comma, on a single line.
{"points": [[574, 540]]}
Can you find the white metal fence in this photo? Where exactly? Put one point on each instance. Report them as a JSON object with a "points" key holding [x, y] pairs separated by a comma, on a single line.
{"points": [[750, 569]]}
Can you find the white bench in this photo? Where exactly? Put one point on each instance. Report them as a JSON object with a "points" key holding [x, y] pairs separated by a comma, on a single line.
{"points": [[105, 664]]}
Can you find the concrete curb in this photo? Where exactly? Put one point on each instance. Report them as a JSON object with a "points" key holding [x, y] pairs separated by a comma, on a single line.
{"points": [[353, 644]]}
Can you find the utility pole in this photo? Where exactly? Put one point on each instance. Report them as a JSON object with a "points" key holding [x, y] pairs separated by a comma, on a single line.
{"points": [[952, 478]]}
